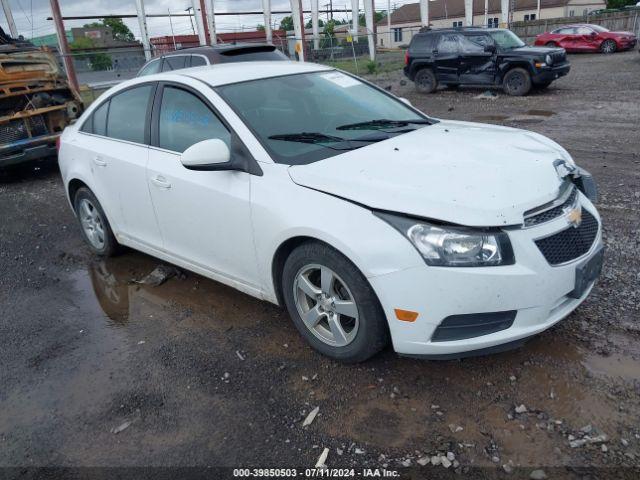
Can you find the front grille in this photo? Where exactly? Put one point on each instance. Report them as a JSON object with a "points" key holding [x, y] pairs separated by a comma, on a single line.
{"points": [[559, 57], [37, 125], [570, 243], [13, 131], [460, 327], [548, 215]]}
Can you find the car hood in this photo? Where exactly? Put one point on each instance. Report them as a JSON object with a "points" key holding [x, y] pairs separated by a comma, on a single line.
{"points": [[457, 172], [532, 51]]}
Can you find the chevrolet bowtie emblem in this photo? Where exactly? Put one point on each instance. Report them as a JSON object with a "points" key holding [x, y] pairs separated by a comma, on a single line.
{"points": [[574, 217]]}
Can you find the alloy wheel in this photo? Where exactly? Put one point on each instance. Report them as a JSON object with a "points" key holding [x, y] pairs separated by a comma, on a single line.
{"points": [[326, 305], [92, 223]]}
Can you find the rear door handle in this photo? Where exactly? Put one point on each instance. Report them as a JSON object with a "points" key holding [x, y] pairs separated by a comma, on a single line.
{"points": [[161, 182], [98, 161]]}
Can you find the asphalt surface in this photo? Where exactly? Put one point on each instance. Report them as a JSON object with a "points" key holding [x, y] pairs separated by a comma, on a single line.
{"points": [[96, 370]]}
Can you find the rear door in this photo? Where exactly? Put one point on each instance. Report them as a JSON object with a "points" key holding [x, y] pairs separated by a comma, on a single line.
{"points": [[447, 57], [476, 65], [116, 143]]}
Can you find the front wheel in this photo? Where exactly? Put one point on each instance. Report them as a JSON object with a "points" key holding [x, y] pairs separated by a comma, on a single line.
{"points": [[332, 304], [608, 46], [426, 81], [517, 82]]}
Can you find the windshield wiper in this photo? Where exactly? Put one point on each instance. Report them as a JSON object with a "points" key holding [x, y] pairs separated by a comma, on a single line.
{"points": [[307, 137], [382, 123]]}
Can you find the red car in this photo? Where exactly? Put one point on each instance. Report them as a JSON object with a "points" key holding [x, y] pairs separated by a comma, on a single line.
{"points": [[587, 38]]}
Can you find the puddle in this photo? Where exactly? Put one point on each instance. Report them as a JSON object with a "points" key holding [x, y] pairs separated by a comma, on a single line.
{"points": [[613, 366], [540, 113]]}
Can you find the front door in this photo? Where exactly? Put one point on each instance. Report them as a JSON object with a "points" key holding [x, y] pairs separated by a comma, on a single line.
{"points": [[204, 216], [477, 66]]}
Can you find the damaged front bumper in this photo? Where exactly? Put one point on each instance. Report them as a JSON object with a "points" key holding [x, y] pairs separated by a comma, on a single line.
{"points": [[27, 150]]}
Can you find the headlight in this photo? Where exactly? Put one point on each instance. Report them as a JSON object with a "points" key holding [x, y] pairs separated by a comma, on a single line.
{"points": [[549, 60], [449, 246]]}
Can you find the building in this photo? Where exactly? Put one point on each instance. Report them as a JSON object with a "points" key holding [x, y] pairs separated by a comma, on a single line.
{"points": [[405, 21], [50, 40]]}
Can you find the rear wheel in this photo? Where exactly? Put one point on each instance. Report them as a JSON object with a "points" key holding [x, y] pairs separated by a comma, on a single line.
{"points": [[608, 46], [426, 81], [332, 304], [94, 224], [517, 82]]}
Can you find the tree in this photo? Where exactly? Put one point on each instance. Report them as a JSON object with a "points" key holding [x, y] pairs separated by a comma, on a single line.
{"points": [[286, 23], [362, 21], [620, 3], [97, 60], [260, 28], [120, 31], [310, 25]]}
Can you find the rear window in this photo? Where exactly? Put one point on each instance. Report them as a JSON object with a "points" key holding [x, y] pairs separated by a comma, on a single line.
{"points": [[252, 54], [176, 62], [422, 42]]}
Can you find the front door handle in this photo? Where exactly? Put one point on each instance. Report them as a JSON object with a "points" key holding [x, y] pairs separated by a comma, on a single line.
{"points": [[99, 161], [161, 182]]}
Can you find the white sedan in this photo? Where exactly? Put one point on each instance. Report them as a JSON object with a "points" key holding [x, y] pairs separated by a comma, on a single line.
{"points": [[310, 188]]}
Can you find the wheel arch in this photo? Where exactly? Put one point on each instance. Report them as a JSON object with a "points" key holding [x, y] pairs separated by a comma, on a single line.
{"points": [[510, 65], [73, 186]]}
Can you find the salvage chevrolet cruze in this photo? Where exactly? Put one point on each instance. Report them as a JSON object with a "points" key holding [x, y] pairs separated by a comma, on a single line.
{"points": [[370, 221]]}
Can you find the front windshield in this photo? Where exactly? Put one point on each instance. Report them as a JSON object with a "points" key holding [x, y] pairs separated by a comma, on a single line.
{"points": [[506, 39], [308, 117]]}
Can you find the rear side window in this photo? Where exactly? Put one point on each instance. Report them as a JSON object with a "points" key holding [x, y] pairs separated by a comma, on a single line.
{"points": [[449, 43], [150, 68], [97, 122], [422, 43], [175, 62], [197, 61], [186, 120], [128, 114], [565, 31]]}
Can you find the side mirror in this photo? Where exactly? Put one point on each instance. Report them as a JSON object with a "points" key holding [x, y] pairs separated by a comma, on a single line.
{"points": [[211, 154], [490, 48], [405, 100]]}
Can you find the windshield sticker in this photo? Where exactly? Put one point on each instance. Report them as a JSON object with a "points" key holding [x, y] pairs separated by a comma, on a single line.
{"points": [[340, 79]]}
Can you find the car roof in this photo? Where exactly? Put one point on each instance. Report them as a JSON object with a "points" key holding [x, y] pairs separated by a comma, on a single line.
{"points": [[227, 73], [461, 30], [222, 48]]}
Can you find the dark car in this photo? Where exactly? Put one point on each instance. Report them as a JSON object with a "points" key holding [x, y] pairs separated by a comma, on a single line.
{"points": [[210, 55], [481, 56]]}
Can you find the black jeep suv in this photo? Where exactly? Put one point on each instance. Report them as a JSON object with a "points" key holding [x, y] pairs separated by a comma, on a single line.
{"points": [[481, 56]]}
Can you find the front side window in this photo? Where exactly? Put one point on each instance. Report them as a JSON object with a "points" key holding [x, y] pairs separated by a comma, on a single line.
{"points": [[186, 120], [150, 68], [128, 114], [584, 31], [308, 117]]}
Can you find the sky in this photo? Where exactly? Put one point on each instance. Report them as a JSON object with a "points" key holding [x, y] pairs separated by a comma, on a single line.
{"points": [[31, 15]]}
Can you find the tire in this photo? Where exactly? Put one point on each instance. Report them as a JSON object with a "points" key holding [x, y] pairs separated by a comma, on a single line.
{"points": [[551, 44], [92, 218], [608, 46], [363, 333], [517, 82], [426, 81]]}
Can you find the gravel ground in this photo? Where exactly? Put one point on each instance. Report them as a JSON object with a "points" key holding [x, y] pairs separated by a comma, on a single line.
{"points": [[99, 371]]}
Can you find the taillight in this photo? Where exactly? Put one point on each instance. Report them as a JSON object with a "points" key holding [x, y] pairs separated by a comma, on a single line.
{"points": [[58, 144], [406, 57]]}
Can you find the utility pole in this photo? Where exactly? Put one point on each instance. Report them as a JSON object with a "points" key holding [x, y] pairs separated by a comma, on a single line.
{"points": [[389, 22], [10, 21], [144, 33], [173, 35], [211, 17], [64, 46], [200, 23], [193, 28], [302, 36], [315, 24], [205, 23], [266, 7]]}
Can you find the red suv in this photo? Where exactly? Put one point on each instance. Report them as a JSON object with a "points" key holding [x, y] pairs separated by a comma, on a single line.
{"points": [[587, 38]]}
